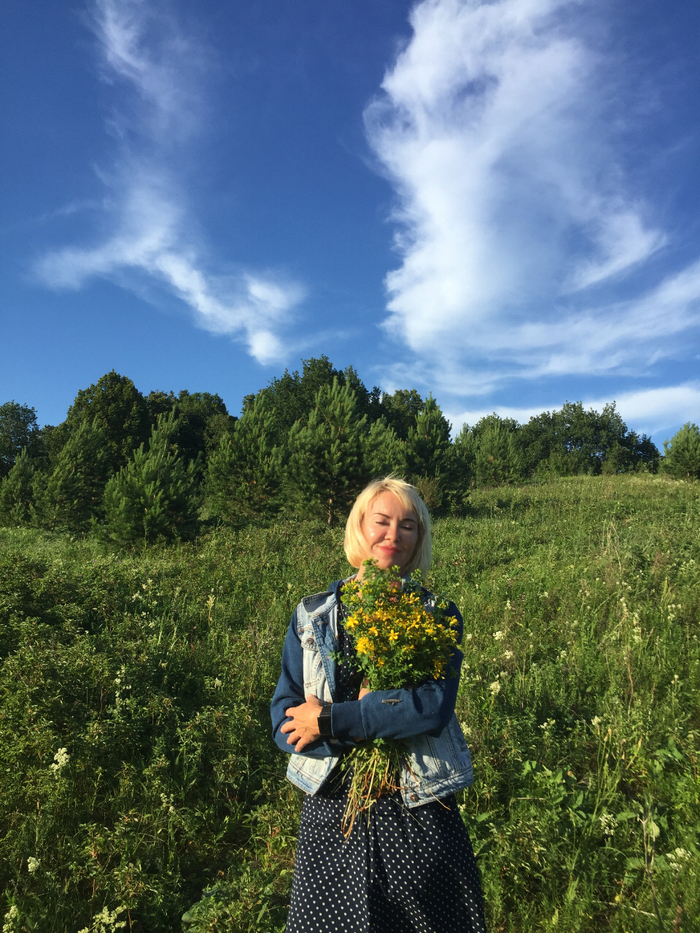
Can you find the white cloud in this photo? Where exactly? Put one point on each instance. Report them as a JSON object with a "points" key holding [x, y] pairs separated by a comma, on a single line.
{"points": [[646, 411], [514, 223], [663, 409], [162, 72]]}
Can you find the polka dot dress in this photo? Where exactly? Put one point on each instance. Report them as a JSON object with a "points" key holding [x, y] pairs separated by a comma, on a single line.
{"points": [[403, 871]]}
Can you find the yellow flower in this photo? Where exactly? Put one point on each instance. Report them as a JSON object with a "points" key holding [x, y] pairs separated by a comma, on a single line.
{"points": [[362, 646]]}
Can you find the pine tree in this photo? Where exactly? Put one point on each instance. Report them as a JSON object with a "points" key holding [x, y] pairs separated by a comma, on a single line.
{"points": [[73, 495], [428, 441], [17, 491], [385, 452], [682, 455], [460, 470], [244, 472], [498, 458], [155, 494], [327, 466]]}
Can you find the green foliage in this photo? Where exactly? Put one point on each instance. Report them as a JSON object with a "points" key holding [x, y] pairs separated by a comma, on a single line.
{"points": [[327, 467], [244, 473], [682, 455], [72, 497], [401, 409], [136, 766], [573, 441], [202, 419], [496, 448], [118, 409], [384, 452], [17, 491], [428, 441], [578, 697], [18, 429], [154, 495], [292, 397]]}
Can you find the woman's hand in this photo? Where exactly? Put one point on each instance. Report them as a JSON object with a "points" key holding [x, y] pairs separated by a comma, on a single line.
{"points": [[303, 724]]}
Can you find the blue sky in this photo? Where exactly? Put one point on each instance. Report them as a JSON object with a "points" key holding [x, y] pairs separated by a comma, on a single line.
{"points": [[494, 202]]}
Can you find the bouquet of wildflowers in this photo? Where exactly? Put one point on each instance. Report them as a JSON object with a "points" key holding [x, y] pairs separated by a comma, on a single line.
{"points": [[399, 643]]}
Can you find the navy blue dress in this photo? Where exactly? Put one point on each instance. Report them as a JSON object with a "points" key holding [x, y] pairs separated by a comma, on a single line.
{"points": [[399, 871]]}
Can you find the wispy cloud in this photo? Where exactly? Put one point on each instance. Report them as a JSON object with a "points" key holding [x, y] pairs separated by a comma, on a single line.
{"points": [[160, 74], [520, 240]]}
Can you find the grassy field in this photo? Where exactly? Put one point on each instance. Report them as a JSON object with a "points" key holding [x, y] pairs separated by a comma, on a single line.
{"points": [[136, 768]]}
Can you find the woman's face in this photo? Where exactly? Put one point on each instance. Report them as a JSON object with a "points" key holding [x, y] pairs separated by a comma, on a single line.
{"points": [[390, 532]]}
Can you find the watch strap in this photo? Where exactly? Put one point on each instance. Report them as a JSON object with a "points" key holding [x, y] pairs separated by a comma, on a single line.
{"points": [[324, 721]]}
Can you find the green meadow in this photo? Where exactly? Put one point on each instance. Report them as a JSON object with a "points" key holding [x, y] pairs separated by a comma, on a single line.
{"points": [[139, 782]]}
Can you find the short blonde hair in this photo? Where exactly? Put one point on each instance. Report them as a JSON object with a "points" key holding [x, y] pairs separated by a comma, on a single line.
{"points": [[355, 544]]}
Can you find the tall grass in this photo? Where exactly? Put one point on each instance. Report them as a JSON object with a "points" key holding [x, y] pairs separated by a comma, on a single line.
{"points": [[153, 671]]}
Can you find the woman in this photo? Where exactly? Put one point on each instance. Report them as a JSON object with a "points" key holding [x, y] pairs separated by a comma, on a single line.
{"points": [[409, 866]]}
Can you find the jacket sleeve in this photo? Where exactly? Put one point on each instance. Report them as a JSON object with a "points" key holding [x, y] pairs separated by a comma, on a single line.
{"points": [[290, 692], [400, 714]]}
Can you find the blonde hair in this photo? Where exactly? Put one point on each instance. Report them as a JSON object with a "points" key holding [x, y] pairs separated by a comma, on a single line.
{"points": [[355, 544]]}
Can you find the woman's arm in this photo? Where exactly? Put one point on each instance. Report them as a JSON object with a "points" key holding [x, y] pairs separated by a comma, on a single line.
{"points": [[386, 714], [290, 693]]}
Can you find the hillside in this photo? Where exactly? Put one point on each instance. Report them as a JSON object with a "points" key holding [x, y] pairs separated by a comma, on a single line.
{"points": [[136, 767]]}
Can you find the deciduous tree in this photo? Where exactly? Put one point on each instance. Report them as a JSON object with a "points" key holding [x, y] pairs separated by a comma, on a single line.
{"points": [[18, 429], [118, 409]]}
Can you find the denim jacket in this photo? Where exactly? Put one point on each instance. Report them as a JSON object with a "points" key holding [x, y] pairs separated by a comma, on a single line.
{"points": [[423, 717]]}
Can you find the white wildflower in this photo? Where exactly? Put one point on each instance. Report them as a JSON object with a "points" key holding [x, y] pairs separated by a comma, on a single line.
{"points": [[10, 919], [468, 637], [499, 635], [495, 687], [507, 604], [507, 655], [596, 721], [677, 857], [33, 864], [60, 760], [217, 683], [608, 823]]}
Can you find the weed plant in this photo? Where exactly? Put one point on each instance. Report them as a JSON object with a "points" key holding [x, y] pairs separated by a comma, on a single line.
{"points": [[139, 782]]}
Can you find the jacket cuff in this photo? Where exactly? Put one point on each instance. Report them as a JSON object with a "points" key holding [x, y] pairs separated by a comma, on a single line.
{"points": [[346, 720]]}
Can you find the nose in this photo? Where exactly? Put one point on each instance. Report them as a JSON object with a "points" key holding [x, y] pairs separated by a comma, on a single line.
{"points": [[394, 532]]}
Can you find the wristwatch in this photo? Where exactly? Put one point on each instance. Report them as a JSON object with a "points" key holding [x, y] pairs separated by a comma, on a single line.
{"points": [[324, 721]]}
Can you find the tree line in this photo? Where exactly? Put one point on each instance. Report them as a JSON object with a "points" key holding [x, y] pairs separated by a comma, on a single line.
{"points": [[134, 467]]}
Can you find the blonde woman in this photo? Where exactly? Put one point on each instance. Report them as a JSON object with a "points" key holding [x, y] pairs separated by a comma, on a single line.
{"points": [[409, 867]]}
